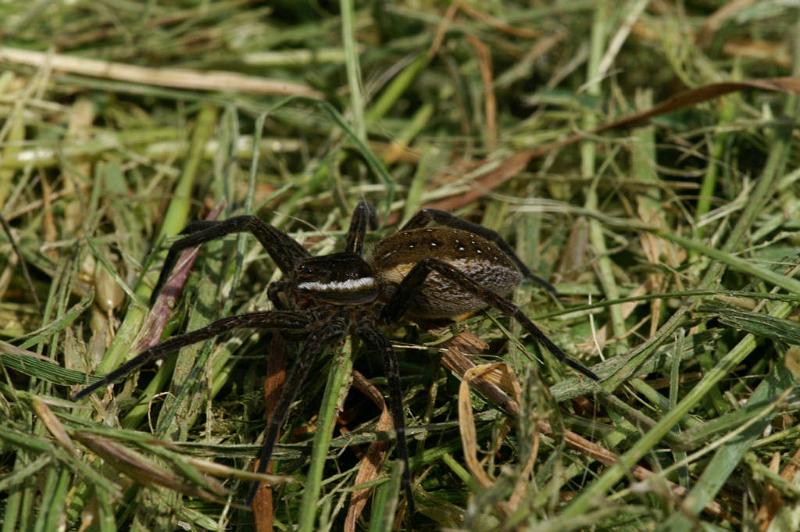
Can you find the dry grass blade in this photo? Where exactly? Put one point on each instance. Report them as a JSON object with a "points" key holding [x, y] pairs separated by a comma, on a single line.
{"points": [[180, 78], [54, 426], [490, 103], [469, 439], [501, 374], [455, 357], [702, 94], [466, 422], [145, 472]]}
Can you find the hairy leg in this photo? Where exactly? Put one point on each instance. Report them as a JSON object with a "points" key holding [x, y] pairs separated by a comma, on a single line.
{"points": [[319, 341], [413, 282], [364, 218], [374, 339], [278, 294], [276, 320], [284, 250]]}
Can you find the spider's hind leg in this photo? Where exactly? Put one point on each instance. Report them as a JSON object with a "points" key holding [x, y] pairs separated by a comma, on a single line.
{"points": [[411, 285], [426, 216], [284, 250]]}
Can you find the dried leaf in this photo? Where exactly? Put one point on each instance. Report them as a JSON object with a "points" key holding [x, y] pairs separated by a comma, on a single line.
{"points": [[53, 425]]}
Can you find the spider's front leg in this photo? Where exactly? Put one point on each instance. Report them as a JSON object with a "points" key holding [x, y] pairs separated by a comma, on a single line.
{"points": [[413, 283], [363, 218], [376, 340], [275, 321], [319, 340], [283, 249], [426, 216]]}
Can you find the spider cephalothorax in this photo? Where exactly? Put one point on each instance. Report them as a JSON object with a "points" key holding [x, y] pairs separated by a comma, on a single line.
{"points": [[419, 272], [339, 279]]}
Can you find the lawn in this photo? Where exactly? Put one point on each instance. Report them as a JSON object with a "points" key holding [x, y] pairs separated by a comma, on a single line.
{"points": [[641, 156]]}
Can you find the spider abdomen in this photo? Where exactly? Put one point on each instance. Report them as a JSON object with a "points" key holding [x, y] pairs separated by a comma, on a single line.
{"points": [[395, 256]]}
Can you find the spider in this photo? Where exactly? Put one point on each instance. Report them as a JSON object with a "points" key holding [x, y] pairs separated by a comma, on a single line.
{"points": [[425, 274]]}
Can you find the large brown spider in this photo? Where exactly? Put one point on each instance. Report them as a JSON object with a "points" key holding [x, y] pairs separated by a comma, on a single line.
{"points": [[422, 273]]}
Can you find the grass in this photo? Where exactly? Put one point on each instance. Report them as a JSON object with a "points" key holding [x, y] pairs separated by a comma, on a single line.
{"points": [[673, 242]]}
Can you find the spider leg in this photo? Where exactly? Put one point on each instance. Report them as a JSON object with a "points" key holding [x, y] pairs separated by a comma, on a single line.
{"points": [[319, 342], [278, 293], [364, 218], [413, 282], [284, 250], [425, 216], [376, 340], [255, 320]]}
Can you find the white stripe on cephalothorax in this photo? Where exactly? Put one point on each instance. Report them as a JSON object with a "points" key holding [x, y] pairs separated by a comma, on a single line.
{"points": [[338, 286]]}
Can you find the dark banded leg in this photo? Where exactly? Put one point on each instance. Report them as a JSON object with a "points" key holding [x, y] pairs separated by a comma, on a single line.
{"points": [[314, 347], [284, 250], [413, 282], [276, 321], [425, 216], [278, 294], [363, 218], [374, 339]]}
